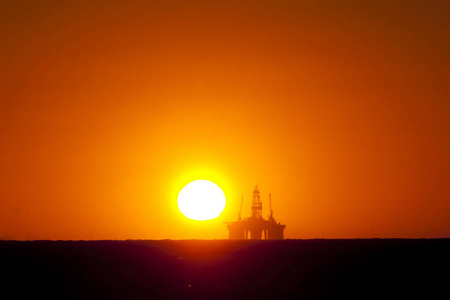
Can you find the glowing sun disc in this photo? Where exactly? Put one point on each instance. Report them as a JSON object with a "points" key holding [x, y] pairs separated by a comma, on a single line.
{"points": [[201, 200]]}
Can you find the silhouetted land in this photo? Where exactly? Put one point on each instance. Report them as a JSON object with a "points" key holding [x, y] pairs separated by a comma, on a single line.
{"points": [[225, 269]]}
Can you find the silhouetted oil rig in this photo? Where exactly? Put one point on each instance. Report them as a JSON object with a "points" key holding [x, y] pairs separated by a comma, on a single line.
{"points": [[256, 225]]}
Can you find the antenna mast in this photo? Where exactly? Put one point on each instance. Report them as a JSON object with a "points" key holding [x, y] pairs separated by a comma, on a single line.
{"points": [[240, 210], [270, 206]]}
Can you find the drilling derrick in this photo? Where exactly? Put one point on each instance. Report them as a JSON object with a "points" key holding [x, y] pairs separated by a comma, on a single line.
{"points": [[256, 227], [256, 204]]}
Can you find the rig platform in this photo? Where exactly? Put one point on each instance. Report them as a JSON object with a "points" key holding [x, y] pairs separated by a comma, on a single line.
{"points": [[256, 227]]}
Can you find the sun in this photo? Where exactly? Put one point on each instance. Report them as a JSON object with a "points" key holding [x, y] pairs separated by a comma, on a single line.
{"points": [[201, 200]]}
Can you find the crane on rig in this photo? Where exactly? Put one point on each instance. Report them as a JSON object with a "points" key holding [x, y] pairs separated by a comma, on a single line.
{"points": [[240, 210], [270, 206]]}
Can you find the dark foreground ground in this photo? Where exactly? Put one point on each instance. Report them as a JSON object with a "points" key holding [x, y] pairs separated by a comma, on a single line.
{"points": [[223, 269]]}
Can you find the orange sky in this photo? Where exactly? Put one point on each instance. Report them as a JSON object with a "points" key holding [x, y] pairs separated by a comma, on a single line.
{"points": [[339, 109]]}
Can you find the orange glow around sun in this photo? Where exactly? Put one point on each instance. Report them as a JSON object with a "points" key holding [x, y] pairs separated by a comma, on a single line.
{"points": [[338, 109]]}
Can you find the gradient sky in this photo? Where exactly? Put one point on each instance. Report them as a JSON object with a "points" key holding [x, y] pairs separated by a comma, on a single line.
{"points": [[339, 109]]}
